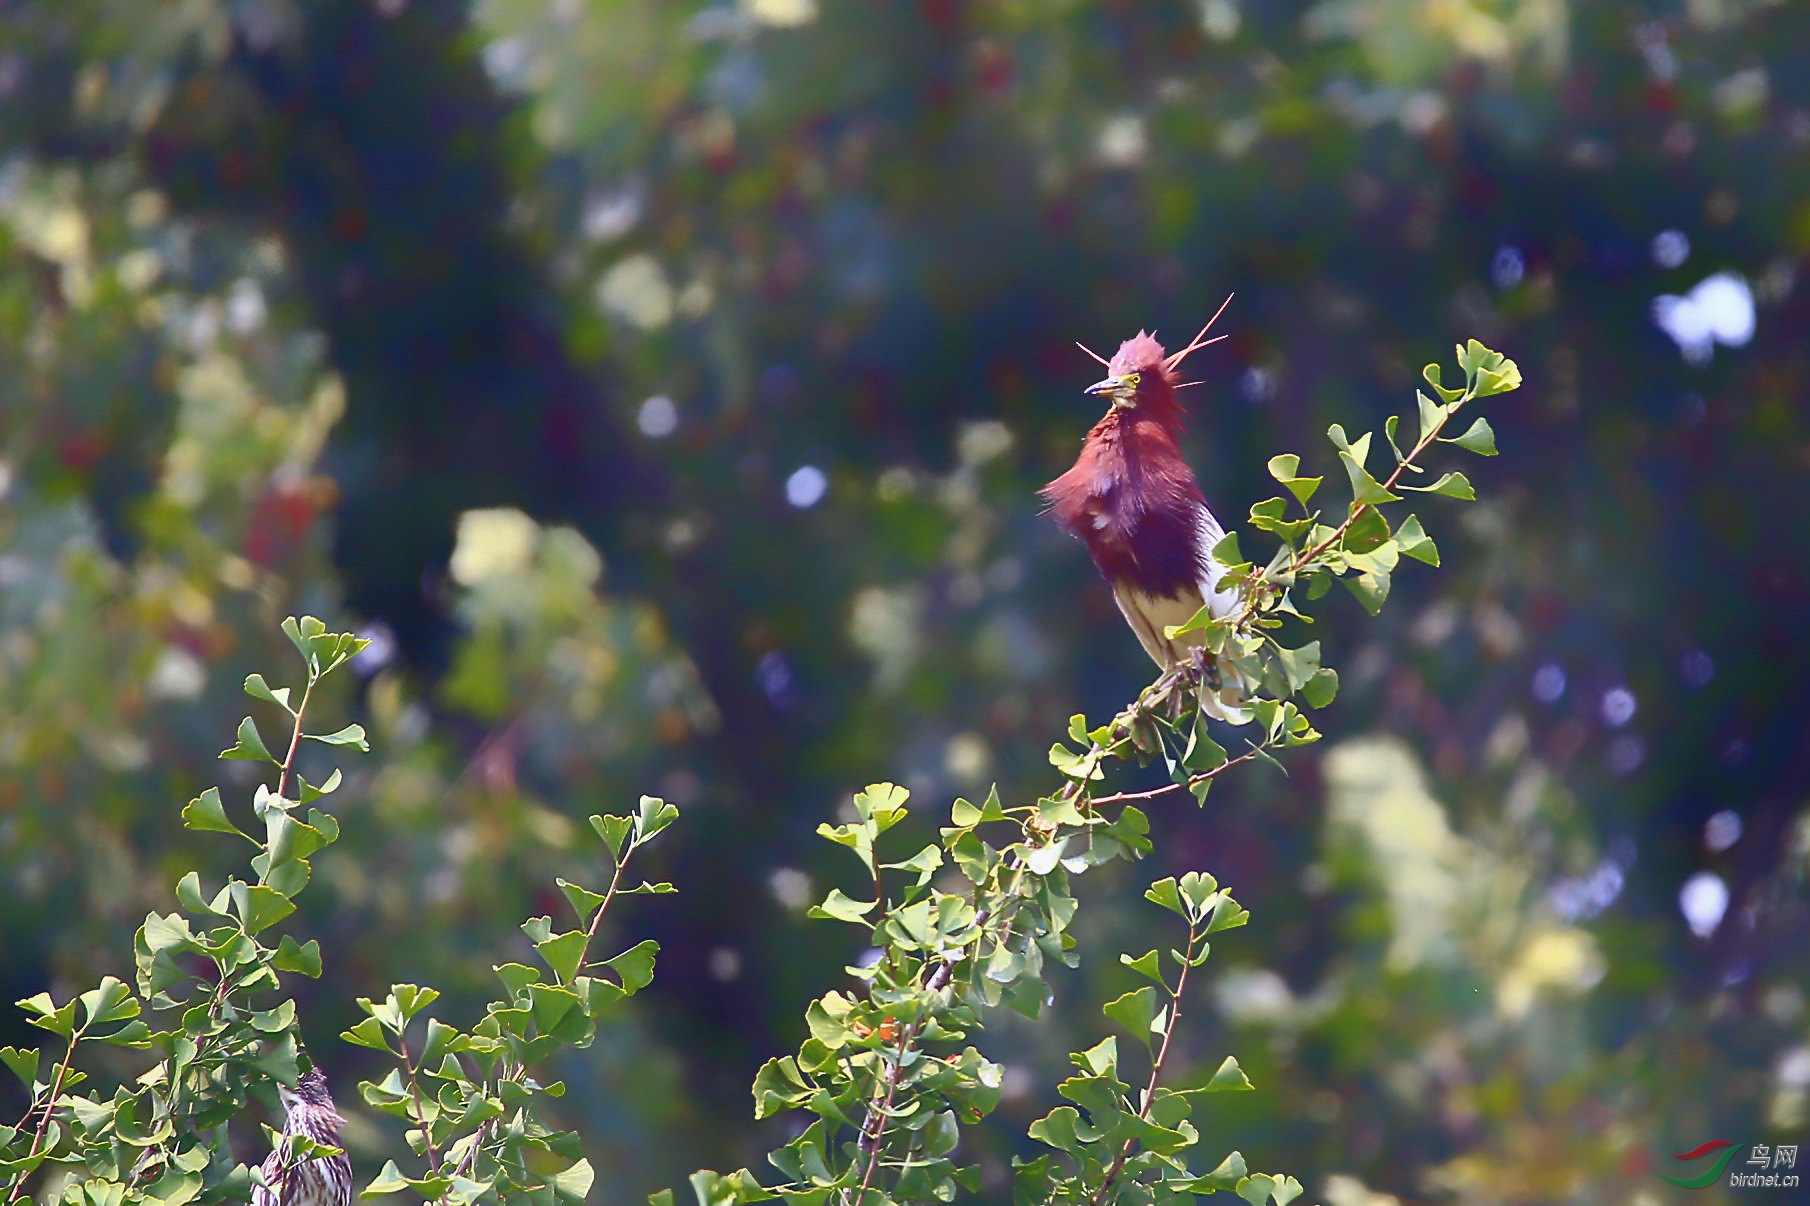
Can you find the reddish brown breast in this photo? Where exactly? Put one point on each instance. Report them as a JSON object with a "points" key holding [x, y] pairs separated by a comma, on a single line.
{"points": [[1134, 502]]}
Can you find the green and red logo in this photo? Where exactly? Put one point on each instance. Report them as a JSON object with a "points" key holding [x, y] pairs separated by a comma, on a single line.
{"points": [[1760, 1156], [1727, 1147]]}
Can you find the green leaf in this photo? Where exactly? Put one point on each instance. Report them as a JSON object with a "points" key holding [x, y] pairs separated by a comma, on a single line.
{"points": [[1075, 766], [310, 793], [924, 863], [1200, 621], [1371, 589], [1134, 1011], [516, 977], [1477, 438], [1489, 372], [1433, 376], [563, 952], [1202, 753], [1389, 428], [1368, 530], [1167, 893], [964, 815], [279, 1060], [1230, 1078], [249, 747], [1413, 542], [206, 814], [1499, 381], [584, 901], [303, 958], [388, 1180], [368, 1033], [352, 734], [1267, 516], [655, 815], [1198, 890], [24, 1062], [189, 895], [1364, 488], [1230, 1172], [614, 831], [300, 633], [1298, 665], [635, 966], [109, 1001], [882, 803], [1284, 469], [1146, 965], [1227, 916], [1452, 485], [574, 1183], [779, 1086], [1260, 1187], [257, 688], [1063, 1128], [1226, 551], [837, 907], [1319, 690], [259, 907], [270, 1021]]}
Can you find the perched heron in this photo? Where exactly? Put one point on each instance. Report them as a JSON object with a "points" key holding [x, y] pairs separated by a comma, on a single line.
{"points": [[1133, 501], [324, 1181]]}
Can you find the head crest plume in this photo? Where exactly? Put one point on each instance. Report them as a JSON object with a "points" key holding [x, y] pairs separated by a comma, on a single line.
{"points": [[1139, 354], [1143, 354]]}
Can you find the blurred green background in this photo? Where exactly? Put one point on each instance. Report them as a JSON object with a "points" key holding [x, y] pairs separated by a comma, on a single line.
{"points": [[665, 386]]}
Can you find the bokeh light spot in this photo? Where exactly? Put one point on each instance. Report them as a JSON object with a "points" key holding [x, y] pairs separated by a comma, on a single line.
{"points": [[659, 418], [1618, 707], [1722, 830], [1549, 683], [806, 487], [1670, 248], [1703, 900]]}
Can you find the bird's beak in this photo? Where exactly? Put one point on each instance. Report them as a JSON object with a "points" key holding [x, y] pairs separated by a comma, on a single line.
{"points": [[1111, 385]]}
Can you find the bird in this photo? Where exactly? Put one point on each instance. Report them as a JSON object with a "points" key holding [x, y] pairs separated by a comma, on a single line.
{"points": [[323, 1181], [1134, 502]]}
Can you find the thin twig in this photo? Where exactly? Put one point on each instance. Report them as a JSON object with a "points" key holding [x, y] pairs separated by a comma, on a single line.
{"points": [[872, 1141], [50, 1102], [427, 1130], [1166, 788], [295, 738], [1156, 1069], [1338, 533], [471, 1153]]}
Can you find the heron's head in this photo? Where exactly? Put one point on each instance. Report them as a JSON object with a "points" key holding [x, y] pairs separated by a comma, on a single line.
{"points": [[1139, 378]]}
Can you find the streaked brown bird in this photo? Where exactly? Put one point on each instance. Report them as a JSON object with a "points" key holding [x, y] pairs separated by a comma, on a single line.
{"points": [[326, 1181], [1133, 501]]}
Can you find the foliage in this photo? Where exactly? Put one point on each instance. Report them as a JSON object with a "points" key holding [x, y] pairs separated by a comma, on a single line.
{"points": [[887, 1076], [212, 970], [476, 1121], [286, 288], [167, 1141], [870, 1066]]}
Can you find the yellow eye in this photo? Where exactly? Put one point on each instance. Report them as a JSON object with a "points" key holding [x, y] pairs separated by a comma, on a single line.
{"points": [[1132, 379]]}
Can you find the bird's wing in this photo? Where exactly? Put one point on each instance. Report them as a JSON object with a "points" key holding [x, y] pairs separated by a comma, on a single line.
{"points": [[1210, 534]]}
